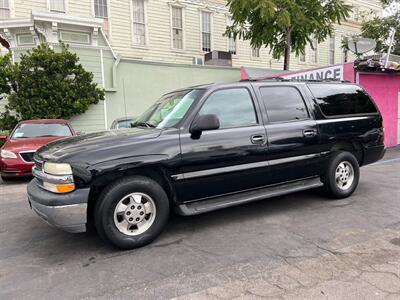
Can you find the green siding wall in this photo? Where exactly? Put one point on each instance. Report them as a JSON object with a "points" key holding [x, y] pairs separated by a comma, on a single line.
{"points": [[140, 84]]}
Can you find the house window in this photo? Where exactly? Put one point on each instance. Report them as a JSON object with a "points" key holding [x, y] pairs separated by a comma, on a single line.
{"points": [[255, 52], [177, 27], [57, 5], [139, 24], [25, 39], [206, 31], [100, 9], [314, 52], [356, 13], [232, 46], [4, 9], [302, 57], [231, 41], [75, 37], [332, 50]]}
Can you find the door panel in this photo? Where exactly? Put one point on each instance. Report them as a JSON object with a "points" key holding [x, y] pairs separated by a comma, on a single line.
{"points": [[293, 137], [229, 159], [221, 161]]}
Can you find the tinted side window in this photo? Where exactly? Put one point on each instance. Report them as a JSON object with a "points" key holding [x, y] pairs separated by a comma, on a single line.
{"points": [[233, 107], [342, 99], [283, 104]]}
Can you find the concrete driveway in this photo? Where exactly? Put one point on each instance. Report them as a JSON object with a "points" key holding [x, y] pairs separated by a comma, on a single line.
{"points": [[300, 246]]}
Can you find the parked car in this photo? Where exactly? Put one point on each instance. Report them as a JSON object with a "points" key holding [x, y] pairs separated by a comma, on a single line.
{"points": [[16, 155], [205, 148], [125, 122]]}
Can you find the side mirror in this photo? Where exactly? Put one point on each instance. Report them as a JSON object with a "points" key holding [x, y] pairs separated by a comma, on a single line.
{"points": [[3, 138], [203, 123]]}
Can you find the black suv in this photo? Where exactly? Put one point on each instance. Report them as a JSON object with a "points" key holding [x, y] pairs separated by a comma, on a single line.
{"points": [[205, 148]]}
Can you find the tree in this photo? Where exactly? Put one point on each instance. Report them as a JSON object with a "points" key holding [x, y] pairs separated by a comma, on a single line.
{"points": [[285, 25], [380, 29], [47, 84]]}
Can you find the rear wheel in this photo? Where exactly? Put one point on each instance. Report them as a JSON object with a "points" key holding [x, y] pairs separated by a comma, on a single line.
{"points": [[131, 212], [342, 175]]}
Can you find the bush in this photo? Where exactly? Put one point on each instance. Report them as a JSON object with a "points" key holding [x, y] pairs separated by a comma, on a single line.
{"points": [[46, 84]]}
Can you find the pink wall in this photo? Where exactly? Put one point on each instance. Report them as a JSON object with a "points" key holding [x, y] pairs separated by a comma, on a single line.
{"points": [[384, 88]]}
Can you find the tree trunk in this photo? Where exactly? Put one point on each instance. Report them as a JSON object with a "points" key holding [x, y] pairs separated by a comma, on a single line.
{"points": [[286, 61]]}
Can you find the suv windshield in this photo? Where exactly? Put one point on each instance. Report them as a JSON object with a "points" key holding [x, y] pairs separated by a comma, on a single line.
{"points": [[169, 110], [41, 130]]}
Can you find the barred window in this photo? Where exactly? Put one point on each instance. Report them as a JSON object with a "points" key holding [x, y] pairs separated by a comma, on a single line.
{"points": [[177, 28], [4, 9], [57, 5], [100, 9], [206, 31], [139, 26]]}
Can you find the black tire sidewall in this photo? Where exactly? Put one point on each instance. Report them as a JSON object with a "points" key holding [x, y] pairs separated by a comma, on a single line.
{"points": [[329, 178], [105, 213]]}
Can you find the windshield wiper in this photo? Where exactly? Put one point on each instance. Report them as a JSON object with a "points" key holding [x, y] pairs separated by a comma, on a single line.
{"points": [[145, 124]]}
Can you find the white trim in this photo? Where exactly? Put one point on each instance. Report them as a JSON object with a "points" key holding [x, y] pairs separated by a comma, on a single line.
{"points": [[24, 44], [66, 19], [16, 23]]}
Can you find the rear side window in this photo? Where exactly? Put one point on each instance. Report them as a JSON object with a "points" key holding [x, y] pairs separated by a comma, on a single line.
{"points": [[342, 99], [283, 104], [233, 107]]}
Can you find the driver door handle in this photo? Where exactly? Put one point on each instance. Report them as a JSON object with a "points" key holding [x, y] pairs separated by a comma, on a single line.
{"points": [[309, 133], [257, 139]]}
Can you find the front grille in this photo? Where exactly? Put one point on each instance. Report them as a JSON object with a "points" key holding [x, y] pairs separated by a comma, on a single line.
{"points": [[27, 156], [38, 165]]}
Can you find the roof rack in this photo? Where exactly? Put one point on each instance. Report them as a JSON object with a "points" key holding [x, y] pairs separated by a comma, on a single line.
{"points": [[278, 78]]}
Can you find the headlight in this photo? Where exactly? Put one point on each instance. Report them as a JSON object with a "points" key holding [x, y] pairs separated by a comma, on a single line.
{"points": [[7, 154], [57, 169]]}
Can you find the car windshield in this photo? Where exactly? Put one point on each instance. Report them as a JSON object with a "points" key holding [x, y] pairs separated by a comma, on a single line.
{"points": [[41, 130], [169, 110]]}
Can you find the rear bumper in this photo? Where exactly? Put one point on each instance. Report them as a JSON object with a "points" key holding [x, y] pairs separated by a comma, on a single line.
{"points": [[64, 211], [373, 154]]}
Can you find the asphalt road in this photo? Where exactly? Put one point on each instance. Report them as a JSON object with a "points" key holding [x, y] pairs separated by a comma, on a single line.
{"points": [[300, 246]]}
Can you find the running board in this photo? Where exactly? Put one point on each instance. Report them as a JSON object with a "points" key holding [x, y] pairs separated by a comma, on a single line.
{"points": [[203, 206]]}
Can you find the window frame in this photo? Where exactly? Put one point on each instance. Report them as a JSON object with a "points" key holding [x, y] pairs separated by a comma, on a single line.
{"points": [[74, 42], [210, 93], [182, 8], [107, 9], [331, 50], [268, 119], [146, 32], [314, 52], [211, 30], [9, 9], [314, 98], [252, 49], [19, 35], [229, 39], [58, 11]]}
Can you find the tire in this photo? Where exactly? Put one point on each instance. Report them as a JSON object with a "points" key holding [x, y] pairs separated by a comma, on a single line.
{"points": [[131, 212], [342, 166]]}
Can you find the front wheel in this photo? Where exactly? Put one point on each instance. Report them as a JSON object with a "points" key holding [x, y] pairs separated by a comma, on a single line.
{"points": [[131, 212], [342, 175]]}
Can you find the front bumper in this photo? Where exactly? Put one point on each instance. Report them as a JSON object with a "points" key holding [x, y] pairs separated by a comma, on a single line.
{"points": [[15, 167], [64, 211]]}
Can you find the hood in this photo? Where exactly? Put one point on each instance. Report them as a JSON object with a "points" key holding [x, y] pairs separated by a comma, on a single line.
{"points": [[29, 144], [89, 146]]}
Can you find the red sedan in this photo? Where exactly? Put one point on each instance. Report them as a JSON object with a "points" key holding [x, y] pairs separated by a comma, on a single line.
{"points": [[16, 155]]}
